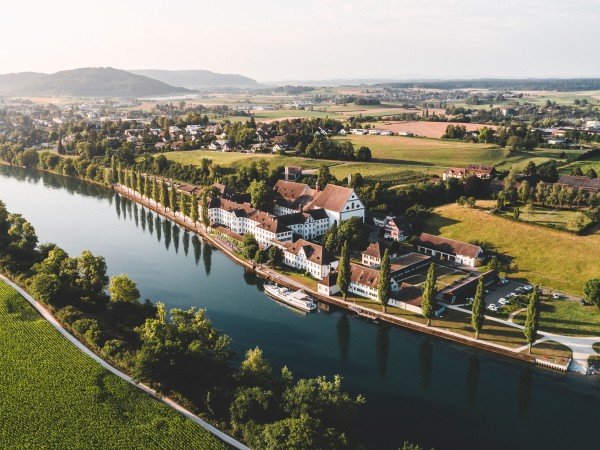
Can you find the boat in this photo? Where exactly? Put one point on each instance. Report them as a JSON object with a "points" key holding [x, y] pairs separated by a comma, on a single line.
{"points": [[297, 299]]}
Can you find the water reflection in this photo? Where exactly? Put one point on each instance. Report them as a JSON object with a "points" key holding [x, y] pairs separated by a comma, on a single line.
{"points": [[343, 336], [472, 379], [118, 205], [176, 233], [158, 227], [207, 257], [197, 248], [143, 219], [425, 362], [150, 218], [186, 242], [523, 393], [136, 217], [382, 349]]}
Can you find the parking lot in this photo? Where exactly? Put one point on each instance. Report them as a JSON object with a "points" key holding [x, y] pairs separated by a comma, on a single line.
{"points": [[497, 292]]}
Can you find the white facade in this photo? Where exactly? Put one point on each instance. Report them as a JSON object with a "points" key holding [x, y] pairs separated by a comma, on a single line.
{"points": [[300, 262], [459, 259], [242, 225]]}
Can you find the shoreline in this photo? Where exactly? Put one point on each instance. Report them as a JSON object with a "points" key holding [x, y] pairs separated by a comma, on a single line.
{"points": [[274, 276], [279, 278]]}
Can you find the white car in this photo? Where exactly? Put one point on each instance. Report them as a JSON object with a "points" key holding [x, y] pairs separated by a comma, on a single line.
{"points": [[511, 295], [492, 307], [555, 296], [528, 287], [503, 301]]}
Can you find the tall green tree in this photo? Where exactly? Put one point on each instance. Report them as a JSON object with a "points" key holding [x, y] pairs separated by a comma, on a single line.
{"points": [[478, 311], [344, 271], [532, 321], [384, 288], [139, 183], [205, 219], [147, 187], [183, 205], [155, 194], [164, 194], [591, 290], [261, 195], [428, 302], [173, 199], [193, 208], [123, 289]]}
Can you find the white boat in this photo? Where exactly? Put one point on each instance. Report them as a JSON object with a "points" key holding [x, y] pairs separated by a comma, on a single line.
{"points": [[297, 299]]}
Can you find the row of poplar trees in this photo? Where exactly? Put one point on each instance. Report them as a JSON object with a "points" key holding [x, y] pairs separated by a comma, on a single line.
{"points": [[164, 194], [428, 300]]}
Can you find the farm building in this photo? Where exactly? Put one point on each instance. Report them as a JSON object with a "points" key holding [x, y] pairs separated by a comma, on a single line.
{"points": [[449, 249]]}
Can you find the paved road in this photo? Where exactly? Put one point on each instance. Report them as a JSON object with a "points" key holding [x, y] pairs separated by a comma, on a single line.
{"points": [[167, 401]]}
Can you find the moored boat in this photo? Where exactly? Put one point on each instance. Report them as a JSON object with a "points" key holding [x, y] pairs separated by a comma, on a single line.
{"points": [[297, 299]]}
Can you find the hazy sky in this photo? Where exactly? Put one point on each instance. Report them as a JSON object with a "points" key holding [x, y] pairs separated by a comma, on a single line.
{"points": [[307, 39]]}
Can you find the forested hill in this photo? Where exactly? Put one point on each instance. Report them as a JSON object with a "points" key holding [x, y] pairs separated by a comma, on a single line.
{"points": [[526, 84], [84, 82], [197, 79]]}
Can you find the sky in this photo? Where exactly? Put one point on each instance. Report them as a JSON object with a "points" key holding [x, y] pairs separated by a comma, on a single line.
{"points": [[274, 40]]}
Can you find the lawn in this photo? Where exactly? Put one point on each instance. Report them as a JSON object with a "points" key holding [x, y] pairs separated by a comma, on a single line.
{"points": [[555, 259], [566, 317], [593, 163], [235, 160], [427, 152], [538, 156], [456, 321], [544, 215], [54, 396], [388, 173], [551, 351]]}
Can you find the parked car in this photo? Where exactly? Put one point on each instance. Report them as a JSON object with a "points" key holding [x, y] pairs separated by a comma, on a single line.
{"points": [[503, 301], [519, 290], [528, 287], [492, 307], [555, 296], [511, 295]]}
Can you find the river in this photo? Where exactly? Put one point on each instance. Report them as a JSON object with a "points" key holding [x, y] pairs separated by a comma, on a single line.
{"points": [[417, 388]]}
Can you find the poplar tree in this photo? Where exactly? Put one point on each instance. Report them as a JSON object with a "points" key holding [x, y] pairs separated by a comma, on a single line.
{"points": [[113, 168], [532, 321], [428, 301], [147, 187], [164, 195], [205, 219], [121, 175], [344, 269], [183, 205], [193, 208], [173, 203], [477, 313], [155, 191], [384, 287], [138, 183]]}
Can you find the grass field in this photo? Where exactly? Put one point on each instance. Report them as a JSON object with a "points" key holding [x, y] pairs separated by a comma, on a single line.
{"points": [[235, 160], [538, 156], [428, 152], [389, 173], [53, 396], [566, 317], [552, 351], [544, 215], [445, 276], [552, 258], [594, 163], [456, 321]]}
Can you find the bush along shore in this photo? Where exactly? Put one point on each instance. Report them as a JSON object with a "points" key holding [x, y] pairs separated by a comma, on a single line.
{"points": [[178, 353]]}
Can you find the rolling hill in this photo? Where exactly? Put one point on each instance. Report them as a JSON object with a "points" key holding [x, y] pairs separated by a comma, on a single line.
{"points": [[84, 82], [197, 79]]}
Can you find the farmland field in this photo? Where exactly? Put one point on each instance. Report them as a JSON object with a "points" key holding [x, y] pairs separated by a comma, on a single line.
{"points": [[428, 152], [593, 163], [426, 129], [544, 215], [54, 396], [552, 258], [392, 173]]}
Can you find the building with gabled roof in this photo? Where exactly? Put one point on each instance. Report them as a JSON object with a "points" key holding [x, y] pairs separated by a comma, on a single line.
{"points": [[373, 254], [242, 218], [308, 257], [339, 202], [586, 184], [449, 249], [292, 197], [398, 229]]}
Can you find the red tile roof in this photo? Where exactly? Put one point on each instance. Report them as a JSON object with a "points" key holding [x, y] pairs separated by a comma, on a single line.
{"points": [[332, 198], [314, 253], [450, 246]]}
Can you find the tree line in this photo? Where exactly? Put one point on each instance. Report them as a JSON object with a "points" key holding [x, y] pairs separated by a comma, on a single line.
{"points": [[179, 352]]}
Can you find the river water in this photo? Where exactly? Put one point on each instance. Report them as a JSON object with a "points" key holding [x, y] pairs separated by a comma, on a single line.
{"points": [[417, 388]]}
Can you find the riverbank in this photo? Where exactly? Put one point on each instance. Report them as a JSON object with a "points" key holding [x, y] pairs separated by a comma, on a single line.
{"points": [[46, 314], [272, 275]]}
